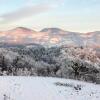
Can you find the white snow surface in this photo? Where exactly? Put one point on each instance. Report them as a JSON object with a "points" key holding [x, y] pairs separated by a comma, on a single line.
{"points": [[44, 88]]}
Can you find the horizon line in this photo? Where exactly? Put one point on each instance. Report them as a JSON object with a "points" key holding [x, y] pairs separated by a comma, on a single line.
{"points": [[47, 28]]}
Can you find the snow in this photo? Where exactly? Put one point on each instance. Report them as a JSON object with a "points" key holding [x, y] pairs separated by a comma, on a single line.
{"points": [[44, 88]]}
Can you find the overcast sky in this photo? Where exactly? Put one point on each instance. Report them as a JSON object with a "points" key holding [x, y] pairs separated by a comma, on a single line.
{"points": [[70, 15]]}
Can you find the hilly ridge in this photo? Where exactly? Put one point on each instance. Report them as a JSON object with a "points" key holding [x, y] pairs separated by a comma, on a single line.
{"points": [[50, 37]]}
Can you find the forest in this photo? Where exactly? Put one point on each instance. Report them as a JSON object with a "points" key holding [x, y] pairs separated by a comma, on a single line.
{"points": [[66, 62]]}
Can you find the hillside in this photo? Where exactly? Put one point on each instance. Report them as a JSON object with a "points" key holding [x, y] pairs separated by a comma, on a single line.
{"points": [[50, 37], [40, 88], [36, 60]]}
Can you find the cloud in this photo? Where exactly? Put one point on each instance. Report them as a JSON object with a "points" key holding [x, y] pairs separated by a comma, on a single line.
{"points": [[25, 12]]}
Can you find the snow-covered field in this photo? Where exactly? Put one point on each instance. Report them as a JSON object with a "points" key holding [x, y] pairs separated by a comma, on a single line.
{"points": [[41, 88]]}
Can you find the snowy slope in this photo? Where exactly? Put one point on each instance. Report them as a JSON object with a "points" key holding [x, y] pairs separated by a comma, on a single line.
{"points": [[39, 88]]}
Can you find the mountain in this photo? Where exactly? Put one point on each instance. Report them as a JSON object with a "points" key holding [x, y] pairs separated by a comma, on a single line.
{"points": [[19, 30], [53, 30], [92, 39], [50, 37], [59, 36], [22, 28], [17, 35], [95, 36]]}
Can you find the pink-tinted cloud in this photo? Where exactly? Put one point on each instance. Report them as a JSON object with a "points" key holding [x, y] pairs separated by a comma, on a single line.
{"points": [[25, 12]]}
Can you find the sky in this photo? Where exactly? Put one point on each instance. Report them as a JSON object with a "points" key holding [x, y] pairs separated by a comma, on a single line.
{"points": [[70, 15]]}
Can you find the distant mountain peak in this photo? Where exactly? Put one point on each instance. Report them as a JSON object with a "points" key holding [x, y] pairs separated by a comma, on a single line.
{"points": [[52, 30], [50, 36], [95, 33], [23, 29]]}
